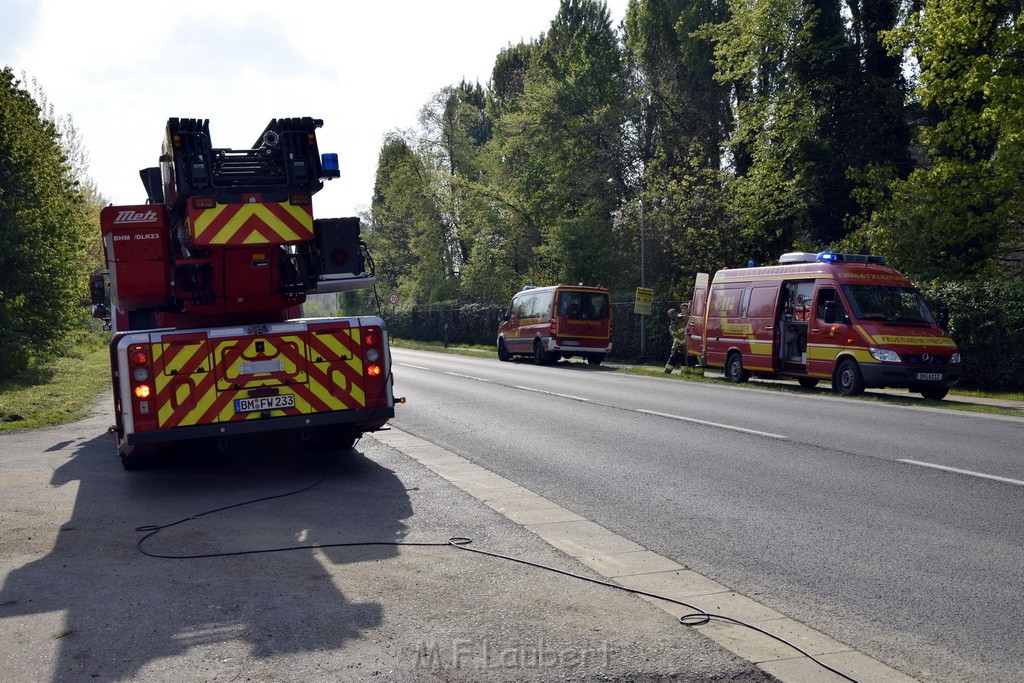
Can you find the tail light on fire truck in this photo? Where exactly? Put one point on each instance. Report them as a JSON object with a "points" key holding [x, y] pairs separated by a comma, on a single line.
{"points": [[372, 343], [139, 359]]}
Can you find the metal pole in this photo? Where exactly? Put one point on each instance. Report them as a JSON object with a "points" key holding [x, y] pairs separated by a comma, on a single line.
{"points": [[643, 276]]}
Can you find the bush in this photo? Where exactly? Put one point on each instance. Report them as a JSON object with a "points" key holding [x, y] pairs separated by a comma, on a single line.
{"points": [[986, 318]]}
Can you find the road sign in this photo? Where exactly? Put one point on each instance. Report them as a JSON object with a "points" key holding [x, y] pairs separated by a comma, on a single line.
{"points": [[393, 298], [644, 301]]}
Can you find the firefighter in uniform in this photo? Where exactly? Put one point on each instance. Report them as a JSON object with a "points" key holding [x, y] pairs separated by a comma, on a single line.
{"points": [[678, 321]]}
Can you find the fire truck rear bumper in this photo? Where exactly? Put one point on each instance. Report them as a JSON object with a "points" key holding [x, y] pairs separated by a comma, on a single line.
{"points": [[886, 375], [361, 420]]}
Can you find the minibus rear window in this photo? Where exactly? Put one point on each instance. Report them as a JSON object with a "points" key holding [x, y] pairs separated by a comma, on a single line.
{"points": [[583, 305]]}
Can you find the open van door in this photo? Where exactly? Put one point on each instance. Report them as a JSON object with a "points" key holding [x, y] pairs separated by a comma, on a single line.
{"points": [[698, 318]]}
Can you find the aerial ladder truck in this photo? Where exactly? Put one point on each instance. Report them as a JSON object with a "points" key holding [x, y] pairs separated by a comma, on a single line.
{"points": [[206, 285]]}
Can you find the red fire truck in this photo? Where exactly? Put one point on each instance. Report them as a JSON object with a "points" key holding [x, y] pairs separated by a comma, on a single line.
{"points": [[206, 283], [846, 318]]}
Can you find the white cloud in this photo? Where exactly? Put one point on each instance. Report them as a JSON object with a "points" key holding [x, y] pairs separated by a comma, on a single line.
{"points": [[121, 68]]}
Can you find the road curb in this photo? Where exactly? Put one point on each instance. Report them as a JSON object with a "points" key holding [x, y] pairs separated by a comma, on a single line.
{"points": [[629, 564]]}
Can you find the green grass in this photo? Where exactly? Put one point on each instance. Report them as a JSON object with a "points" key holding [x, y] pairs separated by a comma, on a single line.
{"points": [[61, 390], [464, 349]]}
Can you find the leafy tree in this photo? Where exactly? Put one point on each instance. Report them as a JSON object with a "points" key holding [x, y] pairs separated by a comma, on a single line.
{"points": [[407, 234], [816, 107], [558, 142], [454, 126], [676, 142], [45, 230], [965, 202]]}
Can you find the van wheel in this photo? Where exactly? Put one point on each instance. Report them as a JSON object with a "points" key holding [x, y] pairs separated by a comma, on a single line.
{"points": [[595, 359], [847, 380], [935, 394], [540, 357], [734, 370], [503, 354], [808, 382]]}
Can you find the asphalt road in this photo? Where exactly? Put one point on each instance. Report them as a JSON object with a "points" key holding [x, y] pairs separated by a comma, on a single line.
{"points": [[896, 530]]}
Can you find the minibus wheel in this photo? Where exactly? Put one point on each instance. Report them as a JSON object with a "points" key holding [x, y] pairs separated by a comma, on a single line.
{"points": [[503, 354], [540, 357], [595, 359], [848, 381], [734, 370]]}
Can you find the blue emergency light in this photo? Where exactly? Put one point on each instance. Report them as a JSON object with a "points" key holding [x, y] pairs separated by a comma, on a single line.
{"points": [[329, 162], [827, 257]]}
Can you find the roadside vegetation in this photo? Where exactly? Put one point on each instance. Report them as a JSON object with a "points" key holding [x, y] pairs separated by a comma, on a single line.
{"points": [[61, 389]]}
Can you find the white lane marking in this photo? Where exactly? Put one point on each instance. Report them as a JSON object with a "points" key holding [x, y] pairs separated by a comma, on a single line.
{"points": [[478, 379], [552, 393], [715, 424], [970, 473], [410, 365]]}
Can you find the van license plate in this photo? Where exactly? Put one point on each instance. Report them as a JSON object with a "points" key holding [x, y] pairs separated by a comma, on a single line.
{"points": [[249, 405], [929, 376]]}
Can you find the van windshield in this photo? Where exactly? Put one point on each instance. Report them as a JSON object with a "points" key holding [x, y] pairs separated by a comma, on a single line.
{"points": [[888, 304], [583, 305]]}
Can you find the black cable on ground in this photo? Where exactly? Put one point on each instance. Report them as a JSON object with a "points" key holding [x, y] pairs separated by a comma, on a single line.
{"points": [[697, 617]]}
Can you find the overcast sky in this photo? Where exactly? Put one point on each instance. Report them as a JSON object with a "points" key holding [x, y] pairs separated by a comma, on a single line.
{"points": [[120, 69]]}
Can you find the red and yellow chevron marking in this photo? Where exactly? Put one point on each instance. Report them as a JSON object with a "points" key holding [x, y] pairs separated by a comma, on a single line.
{"points": [[289, 351], [323, 370], [251, 224]]}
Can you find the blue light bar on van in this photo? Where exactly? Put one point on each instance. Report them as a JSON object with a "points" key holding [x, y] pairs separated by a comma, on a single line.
{"points": [[831, 257]]}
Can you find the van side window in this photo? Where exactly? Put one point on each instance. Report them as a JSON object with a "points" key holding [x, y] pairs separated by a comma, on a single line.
{"points": [[523, 306], [828, 295], [744, 302], [544, 302], [535, 305], [728, 301], [762, 302]]}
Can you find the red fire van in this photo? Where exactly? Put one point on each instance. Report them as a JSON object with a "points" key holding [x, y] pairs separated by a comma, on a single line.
{"points": [[563, 321], [846, 318]]}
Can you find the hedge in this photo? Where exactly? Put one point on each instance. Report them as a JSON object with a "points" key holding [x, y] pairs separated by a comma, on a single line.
{"points": [[476, 324], [986, 318]]}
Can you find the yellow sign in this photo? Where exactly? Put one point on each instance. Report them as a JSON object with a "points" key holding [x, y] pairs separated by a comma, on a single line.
{"points": [[644, 301]]}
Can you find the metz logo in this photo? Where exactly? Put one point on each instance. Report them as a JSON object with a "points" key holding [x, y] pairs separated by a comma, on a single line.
{"points": [[135, 217]]}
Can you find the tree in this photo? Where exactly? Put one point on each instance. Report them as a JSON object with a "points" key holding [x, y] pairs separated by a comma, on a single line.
{"points": [[816, 107], [45, 231], [965, 201], [407, 235], [558, 141], [676, 138]]}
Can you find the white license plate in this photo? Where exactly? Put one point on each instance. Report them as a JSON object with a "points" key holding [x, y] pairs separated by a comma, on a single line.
{"points": [[929, 376], [248, 405], [570, 342]]}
